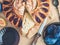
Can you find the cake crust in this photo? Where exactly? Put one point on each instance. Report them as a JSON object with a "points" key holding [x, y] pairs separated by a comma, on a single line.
{"points": [[15, 11]]}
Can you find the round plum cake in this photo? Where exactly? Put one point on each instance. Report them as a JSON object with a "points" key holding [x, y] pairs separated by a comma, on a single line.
{"points": [[28, 15]]}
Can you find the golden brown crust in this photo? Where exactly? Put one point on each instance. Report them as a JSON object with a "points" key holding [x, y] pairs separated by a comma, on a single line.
{"points": [[39, 9], [41, 12], [14, 12], [9, 11]]}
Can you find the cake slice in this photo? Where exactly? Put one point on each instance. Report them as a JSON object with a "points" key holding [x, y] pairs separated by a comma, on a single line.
{"points": [[27, 24]]}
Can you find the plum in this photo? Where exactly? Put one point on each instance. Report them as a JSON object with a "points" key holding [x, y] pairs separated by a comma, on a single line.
{"points": [[57, 32], [58, 42], [50, 40], [51, 28]]}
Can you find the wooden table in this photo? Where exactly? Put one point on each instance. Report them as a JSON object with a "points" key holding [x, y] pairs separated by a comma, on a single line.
{"points": [[26, 41]]}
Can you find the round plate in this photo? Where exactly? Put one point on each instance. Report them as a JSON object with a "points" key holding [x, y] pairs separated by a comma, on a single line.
{"points": [[9, 36]]}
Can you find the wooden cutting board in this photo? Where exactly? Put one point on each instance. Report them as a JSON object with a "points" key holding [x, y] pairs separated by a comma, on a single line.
{"points": [[53, 17], [26, 41]]}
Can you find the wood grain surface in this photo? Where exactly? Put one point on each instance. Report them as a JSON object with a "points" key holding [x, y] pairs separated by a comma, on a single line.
{"points": [[53, 17]]}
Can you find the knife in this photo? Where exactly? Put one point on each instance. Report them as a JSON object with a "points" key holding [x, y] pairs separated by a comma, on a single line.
{"points": [[39, 32]]}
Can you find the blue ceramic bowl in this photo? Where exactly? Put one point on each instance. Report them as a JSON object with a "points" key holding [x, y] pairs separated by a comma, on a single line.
{"points": [[51, 33]]}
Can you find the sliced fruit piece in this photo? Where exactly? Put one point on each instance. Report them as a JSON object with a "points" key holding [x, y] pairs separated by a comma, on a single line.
{"points": [[2, 22]]}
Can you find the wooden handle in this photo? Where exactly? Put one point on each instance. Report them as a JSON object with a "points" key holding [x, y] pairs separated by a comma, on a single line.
{"points": [[35, 39]]}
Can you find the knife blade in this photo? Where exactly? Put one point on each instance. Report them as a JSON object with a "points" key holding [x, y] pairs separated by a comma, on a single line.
{"points": [[39, 32], [42, 26]]}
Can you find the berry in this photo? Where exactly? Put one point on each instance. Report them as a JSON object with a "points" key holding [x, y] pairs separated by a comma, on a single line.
{"points": [[51, 28], [50, 40], [58, 42], [57, 32]]}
